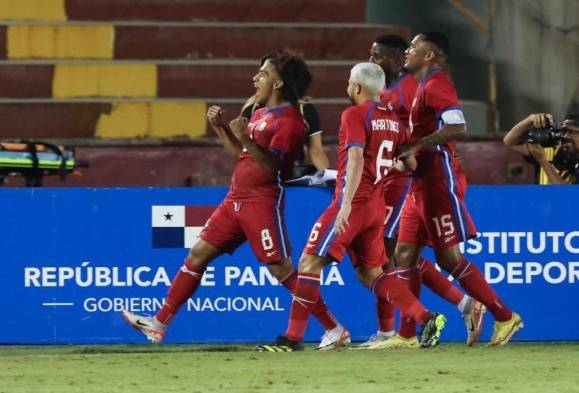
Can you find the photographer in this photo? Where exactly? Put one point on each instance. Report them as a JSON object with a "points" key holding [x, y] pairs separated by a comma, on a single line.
{"points": [[554, 151]]}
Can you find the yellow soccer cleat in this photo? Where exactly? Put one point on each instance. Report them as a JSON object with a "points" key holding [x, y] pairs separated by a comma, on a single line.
{"points": [[396, 342], [503, 331]]}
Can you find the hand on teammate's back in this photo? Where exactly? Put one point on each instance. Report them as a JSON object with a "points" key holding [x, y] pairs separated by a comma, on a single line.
{"points": [[408, 150], [215, 115]]}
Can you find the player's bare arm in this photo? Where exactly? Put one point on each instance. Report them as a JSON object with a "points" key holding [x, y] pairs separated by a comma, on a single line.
{"points": [[448, 133], [230, 142], [354, 170], [265, 158]]}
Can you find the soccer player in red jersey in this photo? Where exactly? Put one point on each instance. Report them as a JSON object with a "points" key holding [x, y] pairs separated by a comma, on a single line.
{"points": [[265, 147], [388, 52], [354, 221], [434, 212]]}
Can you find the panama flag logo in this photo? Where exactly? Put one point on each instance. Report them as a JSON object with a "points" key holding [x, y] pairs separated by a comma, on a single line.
{"points": [[178, 226]]}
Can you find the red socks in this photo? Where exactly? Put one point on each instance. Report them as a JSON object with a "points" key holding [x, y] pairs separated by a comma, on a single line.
{"points": [[305, 299], [182, 288], [411, 277], [438, 283], [385, 312], [389, 287], [474, 283], [320, 311]]}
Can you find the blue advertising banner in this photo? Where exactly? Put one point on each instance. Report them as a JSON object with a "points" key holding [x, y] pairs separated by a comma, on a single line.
{"points": [[72, 259]]}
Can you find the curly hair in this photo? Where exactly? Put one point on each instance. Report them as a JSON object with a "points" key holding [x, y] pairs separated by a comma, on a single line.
{"points": [[293, 71]]}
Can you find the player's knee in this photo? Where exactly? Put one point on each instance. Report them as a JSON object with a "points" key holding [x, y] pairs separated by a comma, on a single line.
{"points": [[367, 276], [281, 269], [405, 255], [198, 257], [311, 264], [448, 259]]}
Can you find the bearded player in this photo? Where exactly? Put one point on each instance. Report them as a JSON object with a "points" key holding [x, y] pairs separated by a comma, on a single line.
{"points": [[388, 52], [434, 212], [369, 137], [265, 148]]}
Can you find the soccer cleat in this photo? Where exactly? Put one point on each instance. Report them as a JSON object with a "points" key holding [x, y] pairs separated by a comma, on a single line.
{"points": [[145, 325], [282, 344], [396, 342], [431, 330], [474, 321], [377, 337], [335, 338], [503, 331]]}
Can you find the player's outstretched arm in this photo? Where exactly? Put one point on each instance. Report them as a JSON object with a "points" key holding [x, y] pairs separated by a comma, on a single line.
{"points": [[264, 157], [230, 142], [448, 133], [445, 134], [354, 170]]}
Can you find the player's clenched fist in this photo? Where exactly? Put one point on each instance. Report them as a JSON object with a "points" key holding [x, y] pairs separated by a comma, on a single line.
{"points": [[215, 115], [238, 126]]}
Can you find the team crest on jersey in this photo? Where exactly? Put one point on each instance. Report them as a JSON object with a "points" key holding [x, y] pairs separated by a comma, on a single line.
{"points": [[262, 126], [390, 106]]}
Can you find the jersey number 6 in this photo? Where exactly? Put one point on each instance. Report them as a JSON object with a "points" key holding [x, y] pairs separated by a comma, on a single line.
{"points": [[383, 164]]}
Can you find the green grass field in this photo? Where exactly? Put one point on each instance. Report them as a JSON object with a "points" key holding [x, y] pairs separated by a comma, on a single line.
{"points": [[194, 368]]}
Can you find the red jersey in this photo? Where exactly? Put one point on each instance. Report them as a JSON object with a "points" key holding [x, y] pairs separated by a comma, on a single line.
{"points": [[376, 129], [398, 97], [280, 130], [434, 96]]}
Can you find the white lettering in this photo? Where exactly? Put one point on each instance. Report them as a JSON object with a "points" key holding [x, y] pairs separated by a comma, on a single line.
{"points": [[568, 246], [231, 272], [208, 278], [531, 245], [491, 236], [385, 125], [532, 269], [236, 304], [515, 273], [489, 266], [248, 277], [31, 277], [517, 236], [333, 276], [549, 277]]}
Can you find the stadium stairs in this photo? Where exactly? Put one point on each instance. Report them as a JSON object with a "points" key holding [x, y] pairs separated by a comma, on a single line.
{"points": [[129, 82]]}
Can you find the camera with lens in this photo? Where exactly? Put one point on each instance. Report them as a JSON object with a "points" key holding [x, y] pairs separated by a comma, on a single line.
{"points": [[549, 136]]}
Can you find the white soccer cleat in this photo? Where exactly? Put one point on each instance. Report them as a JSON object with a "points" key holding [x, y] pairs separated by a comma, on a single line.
{"points": [[145, 325], [335, 338], [377, 337], [474, 321]]}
